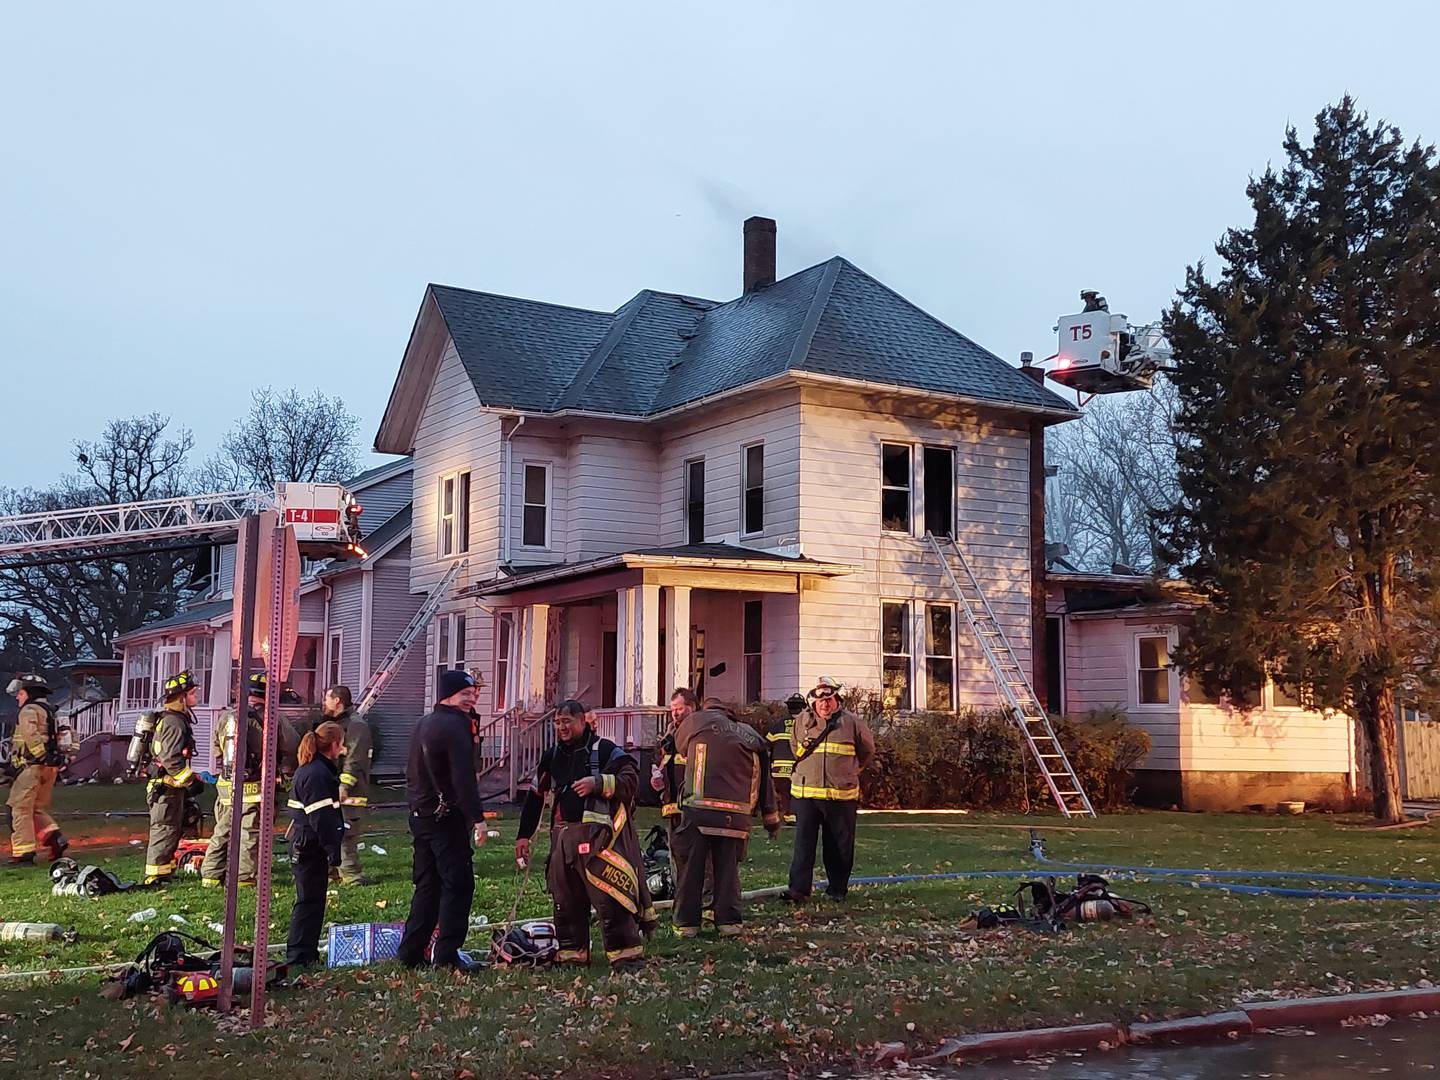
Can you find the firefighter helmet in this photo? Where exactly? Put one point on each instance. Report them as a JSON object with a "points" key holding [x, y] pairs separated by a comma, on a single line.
{"points": [[259, 682], [531, 944], [30, 684], [197, 987], [827, 686], [180, 684]]}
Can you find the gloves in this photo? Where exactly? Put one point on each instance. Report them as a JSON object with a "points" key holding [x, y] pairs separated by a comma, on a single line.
{"points": [[207, 778], [195, 786]]}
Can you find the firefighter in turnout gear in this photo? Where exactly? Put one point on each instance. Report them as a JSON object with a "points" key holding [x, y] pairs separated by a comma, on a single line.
{"points": [[217, 854], [594, 853], [667, 775], [339, 707], [782, 755], [832, 746], [37, 756], [727, 782], [173, 783]]}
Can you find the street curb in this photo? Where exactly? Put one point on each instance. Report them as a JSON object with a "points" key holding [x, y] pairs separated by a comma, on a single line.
{"points": [[1240, 1023], [1266, 1015]]}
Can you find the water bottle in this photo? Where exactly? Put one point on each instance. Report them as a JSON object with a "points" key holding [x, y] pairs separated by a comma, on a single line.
{"points": [[143, 916]]}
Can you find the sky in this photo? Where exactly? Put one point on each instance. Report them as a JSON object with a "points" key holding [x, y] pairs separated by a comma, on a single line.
{"points": [[197, 200]]}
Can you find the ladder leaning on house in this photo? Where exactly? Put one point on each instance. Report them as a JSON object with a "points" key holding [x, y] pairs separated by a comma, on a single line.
{"points": [[411, 634], [1014, 687]]}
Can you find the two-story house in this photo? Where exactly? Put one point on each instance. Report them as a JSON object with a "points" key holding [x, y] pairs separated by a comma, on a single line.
{"points": [[350, 615], [727, 495]]}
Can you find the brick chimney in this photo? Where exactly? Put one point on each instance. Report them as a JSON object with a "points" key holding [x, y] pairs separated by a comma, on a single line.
{"points": [[759, 252]]}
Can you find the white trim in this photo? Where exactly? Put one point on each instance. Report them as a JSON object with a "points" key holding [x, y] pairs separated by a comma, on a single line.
{"points": [[367, 625], [1172, 640], [549, 467], [335, 657], [460, 514], [909, 529], [685, 497], [909, 607], [922, 485], [925, 655]]}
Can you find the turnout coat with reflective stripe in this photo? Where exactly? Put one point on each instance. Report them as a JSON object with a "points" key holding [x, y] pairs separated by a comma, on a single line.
{"points": [[355, 765], [727, 774], [831, 770], [171, 747], [315, 808]]}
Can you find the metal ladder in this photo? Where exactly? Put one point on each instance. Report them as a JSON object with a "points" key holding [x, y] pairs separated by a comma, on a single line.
{"points": [[411, 634], [1010, 677]]}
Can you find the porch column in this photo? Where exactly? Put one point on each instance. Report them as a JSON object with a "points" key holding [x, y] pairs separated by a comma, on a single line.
{"points": [[625, 617], [537, 623], [647, 670], [677, 635]]}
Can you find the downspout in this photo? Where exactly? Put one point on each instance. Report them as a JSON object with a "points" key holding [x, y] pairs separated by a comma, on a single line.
{"points": [[503, 549], [326, 631]]}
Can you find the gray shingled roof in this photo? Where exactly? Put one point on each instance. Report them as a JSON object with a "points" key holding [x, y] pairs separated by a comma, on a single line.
{"points": [[662, 350]]}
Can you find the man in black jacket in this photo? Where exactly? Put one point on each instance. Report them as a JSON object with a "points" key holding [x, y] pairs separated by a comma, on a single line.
{"points": [[445, 810]]}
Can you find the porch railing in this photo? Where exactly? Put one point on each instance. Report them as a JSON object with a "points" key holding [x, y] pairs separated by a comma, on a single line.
{"points": [[632, 726], [529, 741], [494, 741], [93, 718]]}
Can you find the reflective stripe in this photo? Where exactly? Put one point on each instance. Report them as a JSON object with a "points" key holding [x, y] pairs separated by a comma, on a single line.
{"points": [[717, 804], [164, 868], [805, 791], [607, 785], [670, 809], [614, 893], [348, 780], [622, 864], [782, 769], [843, 749], [729, 929], [355, 800], [628, 953], [700, 769], [595, 817], [573, 956], [321, 805], [687, 931], [180, 779], [778, 736], [21, 849], [211, 882]]}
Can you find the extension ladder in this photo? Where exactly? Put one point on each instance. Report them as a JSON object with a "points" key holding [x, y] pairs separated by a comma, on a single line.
{"points": [[411, 634], [1014, 687]]}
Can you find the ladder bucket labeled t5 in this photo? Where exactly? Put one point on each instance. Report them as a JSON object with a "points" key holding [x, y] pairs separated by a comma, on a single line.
{"points": [[1010, 678], [396, 656]]}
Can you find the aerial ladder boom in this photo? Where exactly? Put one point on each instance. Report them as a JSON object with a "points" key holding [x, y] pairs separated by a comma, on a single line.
{"points": [[411, 634]]}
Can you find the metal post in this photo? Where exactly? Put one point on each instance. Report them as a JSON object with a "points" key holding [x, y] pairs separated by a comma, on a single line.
{"points": [[250, 545], [267, 783]]}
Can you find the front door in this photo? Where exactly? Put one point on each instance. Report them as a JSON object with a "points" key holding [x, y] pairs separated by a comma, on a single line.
{"points": [[168, 659]]}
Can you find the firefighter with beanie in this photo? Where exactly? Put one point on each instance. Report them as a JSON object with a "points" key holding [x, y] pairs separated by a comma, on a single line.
{"points": [[594, 852], [445, 815], [227, 726], [37, 755], [173, 783], [832, 746]]}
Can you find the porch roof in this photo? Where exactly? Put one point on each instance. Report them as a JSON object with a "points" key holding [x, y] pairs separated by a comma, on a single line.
{"points": [[199, 615], [729, 565]]}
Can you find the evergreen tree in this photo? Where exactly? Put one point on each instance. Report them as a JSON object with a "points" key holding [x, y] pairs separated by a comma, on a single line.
{"points": [[1309, 432]]}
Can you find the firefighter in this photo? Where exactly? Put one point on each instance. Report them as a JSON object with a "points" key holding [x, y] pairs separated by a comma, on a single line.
{"points": [[339, 707], [667, 775], [217, 853], [832, 746], [35, 753], [782, 755], [594, 852], [727, 782], [173, 783], [316, 826]]}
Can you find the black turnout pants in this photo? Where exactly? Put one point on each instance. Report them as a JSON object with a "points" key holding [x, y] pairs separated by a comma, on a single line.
{"points": [[708, 857], [833, 821], [311, 868], [444, 876]]}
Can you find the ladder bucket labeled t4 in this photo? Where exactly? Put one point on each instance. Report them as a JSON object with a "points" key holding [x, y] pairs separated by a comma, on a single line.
{"points": [[396, 656], [1010, 678]]}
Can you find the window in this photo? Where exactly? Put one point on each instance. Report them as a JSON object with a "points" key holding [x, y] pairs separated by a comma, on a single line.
{"points": [[1288, 695], [895, 655], [449, 644], [939, 490], [504, 647], [200, 658], [305, 668], [454, 514], [940, 657], [695, 501], [535, 526], [1154, 656], [140, 676], [335, 659], [752, 648], [754, 489], [1055, 664], [895, 487]]}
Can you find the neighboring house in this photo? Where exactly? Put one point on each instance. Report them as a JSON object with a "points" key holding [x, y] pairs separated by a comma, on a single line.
{"points": [[350, 615], [1113, 636], [731, 495]]}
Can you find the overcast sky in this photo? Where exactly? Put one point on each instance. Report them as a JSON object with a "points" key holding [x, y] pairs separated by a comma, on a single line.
{"points": [[199, 199]]}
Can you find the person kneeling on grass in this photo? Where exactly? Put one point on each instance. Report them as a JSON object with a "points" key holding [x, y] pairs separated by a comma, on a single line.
{"points": [[316, 829]]}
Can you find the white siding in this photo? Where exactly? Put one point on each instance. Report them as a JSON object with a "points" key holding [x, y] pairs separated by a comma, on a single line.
{"points": [[840, 521], [455, 434], [1101, 673], [718, 436], [526, 449], [610, 496]]}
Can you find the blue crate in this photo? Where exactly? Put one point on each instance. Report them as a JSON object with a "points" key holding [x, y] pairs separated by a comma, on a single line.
{"points": [[358, 944]]}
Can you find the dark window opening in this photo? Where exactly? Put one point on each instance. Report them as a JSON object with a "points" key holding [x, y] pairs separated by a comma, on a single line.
{"points": [[939, 491]]}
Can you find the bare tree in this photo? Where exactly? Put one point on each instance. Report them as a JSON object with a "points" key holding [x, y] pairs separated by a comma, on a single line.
{"points": [[64, 610], [1116, 469], [285, 437]]}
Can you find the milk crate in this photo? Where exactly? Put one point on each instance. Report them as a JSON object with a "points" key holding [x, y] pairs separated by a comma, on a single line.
{"points": [[363, 943]]}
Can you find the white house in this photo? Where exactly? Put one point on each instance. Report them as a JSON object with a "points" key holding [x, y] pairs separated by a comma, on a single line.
{"points": [[730, 495], [350, 615]]}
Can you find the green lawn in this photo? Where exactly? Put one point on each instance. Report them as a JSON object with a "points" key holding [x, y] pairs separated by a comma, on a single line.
{"points": [[819, 985]]}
